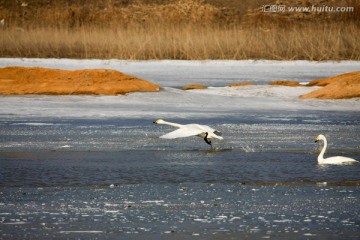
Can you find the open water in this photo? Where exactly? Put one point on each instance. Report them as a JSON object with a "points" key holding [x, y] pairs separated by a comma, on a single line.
{"points": [[95, 168], [111, 179]]}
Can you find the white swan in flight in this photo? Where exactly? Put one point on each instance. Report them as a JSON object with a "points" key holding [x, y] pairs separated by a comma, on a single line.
{"points": [[188, 130], [331, 160]]}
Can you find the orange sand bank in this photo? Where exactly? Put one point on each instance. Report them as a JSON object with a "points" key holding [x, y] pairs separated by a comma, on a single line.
{"points": [[339, 87], [21, 80]]}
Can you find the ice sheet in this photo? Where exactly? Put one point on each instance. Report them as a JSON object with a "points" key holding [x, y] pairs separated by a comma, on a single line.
{"points": [[174, 73], [171, 102], [174, 103]]}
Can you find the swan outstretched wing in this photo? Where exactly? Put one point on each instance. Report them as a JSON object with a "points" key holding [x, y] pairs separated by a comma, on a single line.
{"points": [[180, 133]]}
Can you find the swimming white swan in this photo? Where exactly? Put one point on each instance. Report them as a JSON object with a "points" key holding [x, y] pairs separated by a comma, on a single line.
{"points": [[188, 130], [331, 160]]}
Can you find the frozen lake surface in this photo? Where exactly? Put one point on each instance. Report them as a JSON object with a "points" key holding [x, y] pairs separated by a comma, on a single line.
{"points": [[180, 211], [172, 73], [95, 167]]}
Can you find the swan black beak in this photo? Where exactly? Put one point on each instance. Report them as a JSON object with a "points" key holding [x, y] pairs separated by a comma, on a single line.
{"points": [[316, 140]]}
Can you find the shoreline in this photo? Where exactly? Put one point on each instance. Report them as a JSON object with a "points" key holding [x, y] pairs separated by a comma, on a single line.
{"points": [[140, 68]]}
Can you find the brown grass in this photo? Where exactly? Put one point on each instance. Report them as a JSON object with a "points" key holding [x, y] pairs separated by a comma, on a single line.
{"points": [[20, 80], [334, 42], [241, 84], [193, 86], [174, 30], [326, 81], [339, 87], [288, 83]]}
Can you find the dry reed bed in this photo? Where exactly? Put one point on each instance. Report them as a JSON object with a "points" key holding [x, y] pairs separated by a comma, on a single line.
{"points": [[175, 29], [69, 14], [311, 42]]}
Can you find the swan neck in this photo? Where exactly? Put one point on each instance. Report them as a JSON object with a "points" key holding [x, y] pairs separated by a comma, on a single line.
{"points": [[172, 124], [321, 155]]}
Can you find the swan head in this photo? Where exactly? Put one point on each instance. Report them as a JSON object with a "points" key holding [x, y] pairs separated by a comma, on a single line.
{"points": [[159, 121], [319, 138]]}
